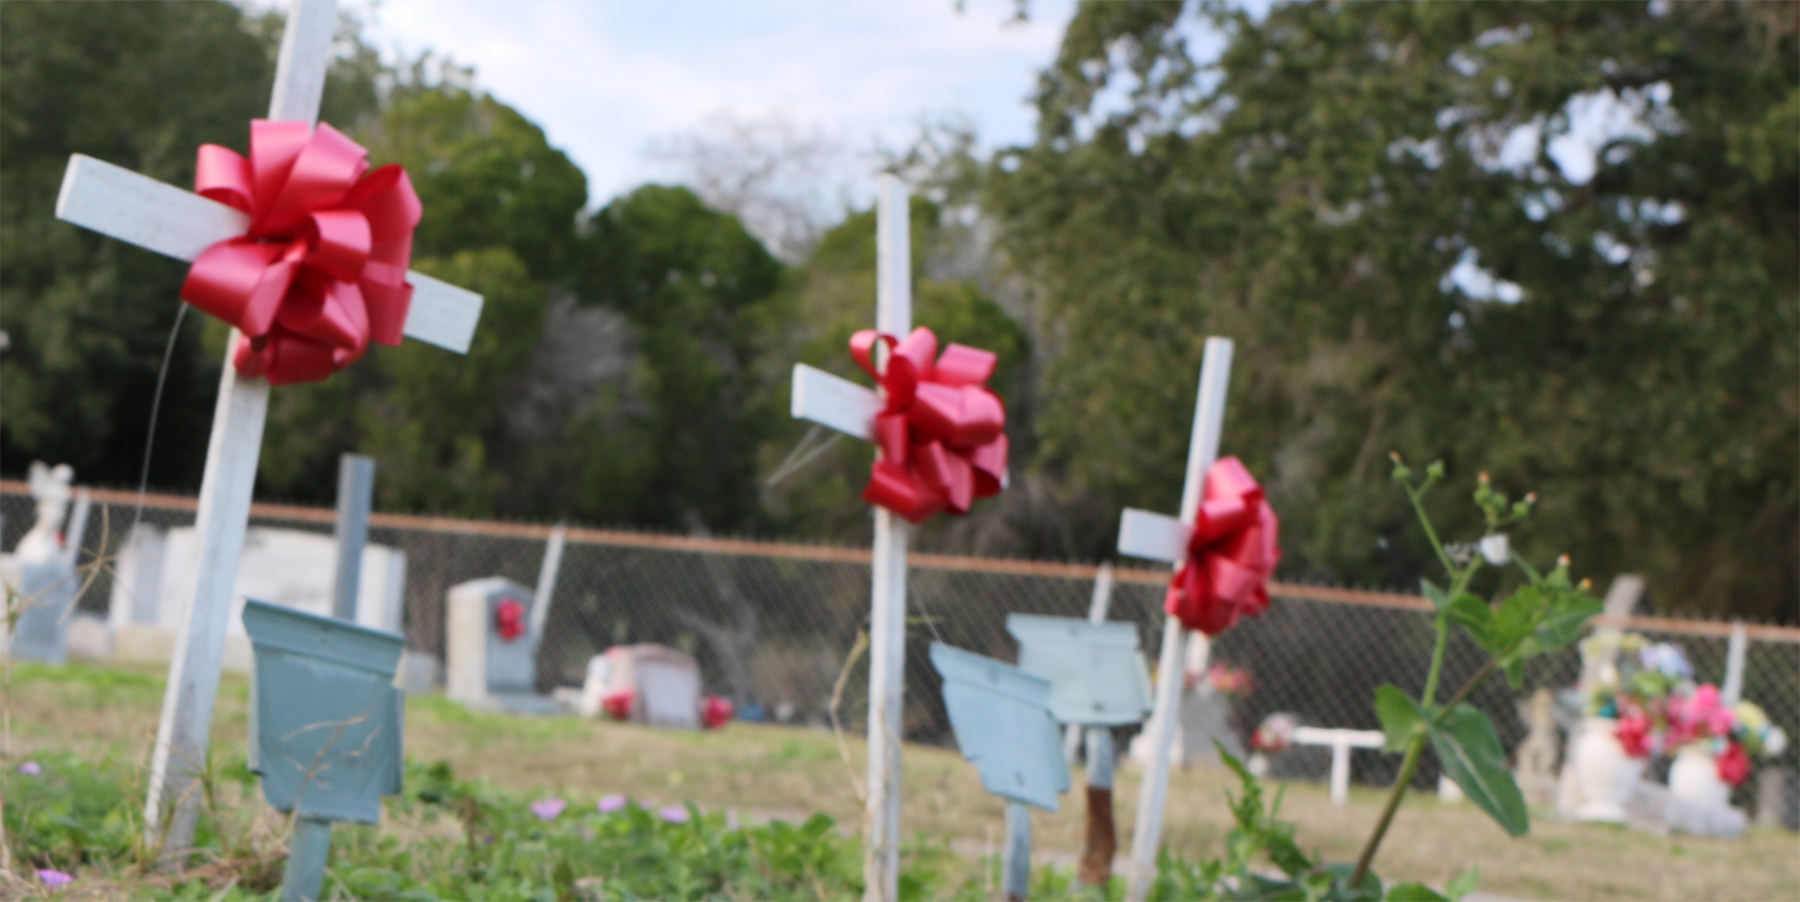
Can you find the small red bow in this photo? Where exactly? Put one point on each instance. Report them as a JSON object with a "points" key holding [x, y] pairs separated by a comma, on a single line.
{"points": [[322, 270], [941, 433], [509, 619], [1231, 553]]}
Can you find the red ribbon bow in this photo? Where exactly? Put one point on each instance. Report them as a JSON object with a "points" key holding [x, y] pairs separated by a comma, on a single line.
{"points": [[1231, 553], [322, 270], [941, 433]]}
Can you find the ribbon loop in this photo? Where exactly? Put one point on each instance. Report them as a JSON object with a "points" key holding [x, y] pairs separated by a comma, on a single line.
{"points": [[1231, 553], [941, 436], [322, 270]]}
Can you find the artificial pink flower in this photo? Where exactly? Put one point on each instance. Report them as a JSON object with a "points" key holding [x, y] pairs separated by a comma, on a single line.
{"points": [[610, 804], [1634, 734], [31, 768], [674, 814], [548, 809], [54, 878], [1733, 764]]}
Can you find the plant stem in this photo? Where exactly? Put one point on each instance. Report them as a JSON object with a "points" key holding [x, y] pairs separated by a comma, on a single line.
{"points": [[1430, 533], [1407, 766]]}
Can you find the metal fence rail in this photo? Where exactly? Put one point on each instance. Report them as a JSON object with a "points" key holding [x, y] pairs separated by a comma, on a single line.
{"points": [[771, 624]]}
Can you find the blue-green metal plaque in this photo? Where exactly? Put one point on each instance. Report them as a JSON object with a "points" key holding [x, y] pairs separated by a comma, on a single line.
{"points": [[325, 718], [1097, 676], [1001, 716]]}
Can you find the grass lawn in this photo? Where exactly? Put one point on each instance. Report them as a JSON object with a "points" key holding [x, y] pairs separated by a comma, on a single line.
{"points": [[765, 772]]}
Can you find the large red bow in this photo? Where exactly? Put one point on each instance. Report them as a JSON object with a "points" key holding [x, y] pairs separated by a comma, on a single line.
{"points": [[942, 433], [322, 270], [1231, 553]]}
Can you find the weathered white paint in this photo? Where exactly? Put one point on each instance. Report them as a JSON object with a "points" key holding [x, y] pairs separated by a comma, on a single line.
{"points": [[140, 210], [1735, 651], [183, 732], [1340, 743], [837, 403], [887, 616], [1153, 536], [1203, 449], [545, 590]]}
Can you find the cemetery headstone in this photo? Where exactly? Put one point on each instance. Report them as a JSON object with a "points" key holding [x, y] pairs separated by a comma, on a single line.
{"points": [[364, 265], [1098, 680], [490, 652], [154, 572], [325, 728], [1340, 742], [40, 573], [1002, 719], [646, 683]]}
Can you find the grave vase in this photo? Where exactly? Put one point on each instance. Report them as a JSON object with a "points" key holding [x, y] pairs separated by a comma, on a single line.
{"points": [[1694, 777], [1606, 774]]}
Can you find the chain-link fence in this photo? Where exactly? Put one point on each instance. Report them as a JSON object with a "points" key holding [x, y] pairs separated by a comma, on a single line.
{"points": [[773, 624]]}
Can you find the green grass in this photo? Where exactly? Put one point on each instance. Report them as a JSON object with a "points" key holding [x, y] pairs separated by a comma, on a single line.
{"points": [[91, 728]]}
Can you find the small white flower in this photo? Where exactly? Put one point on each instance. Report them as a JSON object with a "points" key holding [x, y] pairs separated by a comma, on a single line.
{"points": [[1496, 549]]}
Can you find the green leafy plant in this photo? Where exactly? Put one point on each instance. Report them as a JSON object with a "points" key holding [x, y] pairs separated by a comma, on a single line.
{"points": [[1546, 613], [1258, 835]]}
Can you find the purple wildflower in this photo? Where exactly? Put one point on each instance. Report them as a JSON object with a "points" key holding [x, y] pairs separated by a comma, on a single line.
{"points": [[674, 814], [548, 809], [611, 803], [53, 878], [31, 768]]}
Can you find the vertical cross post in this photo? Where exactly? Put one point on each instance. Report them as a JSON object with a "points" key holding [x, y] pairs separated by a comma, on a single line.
{"points": [[1203, 449], [172, 805], [1736, 650], [1102, 839], [887, 616], [1017, 863], [355, 501], [308, 849]]}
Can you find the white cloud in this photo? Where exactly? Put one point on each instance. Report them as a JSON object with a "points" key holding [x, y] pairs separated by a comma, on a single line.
{"points": [[604, 79]]}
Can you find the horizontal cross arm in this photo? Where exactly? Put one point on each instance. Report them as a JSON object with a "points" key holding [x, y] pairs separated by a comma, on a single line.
{"points": [[838, 403], [140, 210], [1361, 739], [1157, 537]]}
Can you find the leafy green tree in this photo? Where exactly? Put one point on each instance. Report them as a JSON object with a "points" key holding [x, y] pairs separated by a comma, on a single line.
{"points": [[695, 286], [1310, 191], [141, 85]]}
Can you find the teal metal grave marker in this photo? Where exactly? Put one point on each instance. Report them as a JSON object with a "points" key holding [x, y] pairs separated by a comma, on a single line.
{"points": [[1001, 716], [1097, 675], [1098, 680], [325, 727]]}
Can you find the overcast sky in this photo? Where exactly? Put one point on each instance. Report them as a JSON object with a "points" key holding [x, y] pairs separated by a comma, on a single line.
{"points": [[605, 78]]}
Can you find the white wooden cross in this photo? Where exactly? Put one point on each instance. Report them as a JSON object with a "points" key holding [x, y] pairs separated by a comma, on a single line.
{"points": [[168, 220], [850, 408], [1162, 538], [1340, 742]]}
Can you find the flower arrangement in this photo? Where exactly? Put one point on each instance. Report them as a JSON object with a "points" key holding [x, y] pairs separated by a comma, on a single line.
{"points": [[1732, 734], [1635, 691], [1275, 733], [1228, 680]]}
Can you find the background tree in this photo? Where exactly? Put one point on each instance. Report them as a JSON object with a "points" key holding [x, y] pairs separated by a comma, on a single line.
{"points": [[1312, 191]]}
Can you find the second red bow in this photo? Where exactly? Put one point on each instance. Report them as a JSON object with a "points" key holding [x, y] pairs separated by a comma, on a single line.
{"points": [[941, 432], [322, 269], [1231, 553]]}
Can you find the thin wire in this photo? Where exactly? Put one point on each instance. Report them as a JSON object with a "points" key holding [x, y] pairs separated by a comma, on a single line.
{"points": [[162, 375], [801, 455]]}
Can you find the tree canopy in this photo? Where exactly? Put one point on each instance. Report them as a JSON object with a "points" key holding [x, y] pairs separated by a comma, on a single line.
{"points": [[1390, 207]]}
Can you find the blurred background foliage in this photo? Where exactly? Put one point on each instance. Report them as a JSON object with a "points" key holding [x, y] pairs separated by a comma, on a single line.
{"points": [[1368, 197]]}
